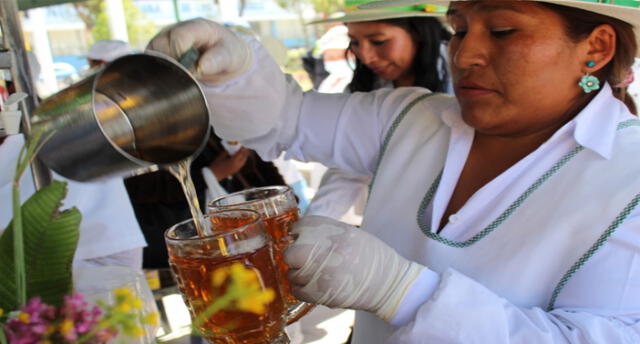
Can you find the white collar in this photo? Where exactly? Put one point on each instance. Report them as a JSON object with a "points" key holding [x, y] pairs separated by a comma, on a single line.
{"points": [[597, 123], [594, 127]]}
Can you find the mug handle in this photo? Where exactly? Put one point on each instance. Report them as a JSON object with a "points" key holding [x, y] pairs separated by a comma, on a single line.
{"points": [[300, 309]]}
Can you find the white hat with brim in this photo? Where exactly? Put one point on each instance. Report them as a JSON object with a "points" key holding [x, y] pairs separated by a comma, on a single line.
{"points": [[373, 15], [627, 11], [108, 50], [353, 12]]}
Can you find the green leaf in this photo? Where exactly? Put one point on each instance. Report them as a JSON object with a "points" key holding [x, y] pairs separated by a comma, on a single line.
{"points": [[3, 339], [50, 241]]}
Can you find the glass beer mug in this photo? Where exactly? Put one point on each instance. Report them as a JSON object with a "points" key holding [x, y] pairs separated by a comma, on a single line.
{"points": [[206, 269], [279, 210]]}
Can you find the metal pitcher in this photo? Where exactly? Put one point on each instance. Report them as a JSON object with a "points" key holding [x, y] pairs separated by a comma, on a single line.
{"points": [[137, 111]]}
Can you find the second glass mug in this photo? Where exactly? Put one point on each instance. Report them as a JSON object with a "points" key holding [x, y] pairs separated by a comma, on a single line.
{"points": [[279, 210], [236, 254]]}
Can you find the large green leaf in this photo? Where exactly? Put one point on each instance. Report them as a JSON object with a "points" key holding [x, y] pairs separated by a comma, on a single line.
{"points": [[50, 241]]}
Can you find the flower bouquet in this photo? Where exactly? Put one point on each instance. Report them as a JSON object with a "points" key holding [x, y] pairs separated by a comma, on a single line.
{"points": [[36, 253], [37, 302]]}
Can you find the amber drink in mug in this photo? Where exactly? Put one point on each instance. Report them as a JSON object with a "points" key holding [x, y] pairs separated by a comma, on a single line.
{"points": [[279, 210], [197, 261]]}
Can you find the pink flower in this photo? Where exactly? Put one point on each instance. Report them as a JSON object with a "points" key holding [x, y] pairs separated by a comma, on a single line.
{"points": [[31, 323], [38, 321], [77, 318]]}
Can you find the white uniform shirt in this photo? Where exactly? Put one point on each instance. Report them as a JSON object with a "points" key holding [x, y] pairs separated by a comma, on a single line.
{"points": [[348, 130], [108, 225]]}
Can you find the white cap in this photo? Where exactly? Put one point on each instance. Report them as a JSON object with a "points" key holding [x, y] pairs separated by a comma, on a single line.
{"points": [[334, 38], [108, 50]]}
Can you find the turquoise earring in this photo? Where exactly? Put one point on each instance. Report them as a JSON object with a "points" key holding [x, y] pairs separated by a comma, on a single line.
{"points": [[589, 82]]}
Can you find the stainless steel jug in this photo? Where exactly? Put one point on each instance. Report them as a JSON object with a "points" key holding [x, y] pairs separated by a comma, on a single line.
{"points": [[137, 111]]}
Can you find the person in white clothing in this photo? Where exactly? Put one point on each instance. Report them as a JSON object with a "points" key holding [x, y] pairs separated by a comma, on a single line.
{"points": [[397, 47], [332, 48], [109, 232], [505, 214], [102, 52], [404, 46]]}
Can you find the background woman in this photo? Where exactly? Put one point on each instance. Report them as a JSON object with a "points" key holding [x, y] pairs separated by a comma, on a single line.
{"points": [[402, 46], [507, 214]]}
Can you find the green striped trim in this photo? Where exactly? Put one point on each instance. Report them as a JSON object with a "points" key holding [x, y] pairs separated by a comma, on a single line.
{"points": [[628, 123], [353, 5], [426, 229], [627, 3], [392, 129], [596, 246], [603, 238], [516, 204]]}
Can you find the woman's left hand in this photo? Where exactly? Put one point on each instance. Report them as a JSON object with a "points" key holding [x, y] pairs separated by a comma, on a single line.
{"points": [[338, 265], [225, 165]]}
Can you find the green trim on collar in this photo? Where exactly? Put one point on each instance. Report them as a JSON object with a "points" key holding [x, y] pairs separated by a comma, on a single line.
{"points": [[426, 229]]}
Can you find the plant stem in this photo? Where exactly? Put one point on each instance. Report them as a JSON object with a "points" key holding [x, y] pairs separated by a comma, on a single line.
{"points": [[110, 321], [3, 339], [18, 240], [27, 154], [219, 304]]}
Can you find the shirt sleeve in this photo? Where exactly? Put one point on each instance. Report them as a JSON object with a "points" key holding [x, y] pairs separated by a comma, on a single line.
{"points": [[109, 225], [338, 191], [599, 304], [462, 309], [268, 112]]}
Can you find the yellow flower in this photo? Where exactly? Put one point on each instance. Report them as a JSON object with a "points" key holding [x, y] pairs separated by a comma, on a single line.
{"points": [[245, 277], [123, 307], [66, 327], [219, 276], [256, 302], [134, 331], [122, 294], [150, 319], [46, 341], [1, 312], [136, 304], [49, 331], [24, 317]]}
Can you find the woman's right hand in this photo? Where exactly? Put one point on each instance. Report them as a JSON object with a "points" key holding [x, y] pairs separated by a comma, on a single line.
{"points": [[223, 55]]}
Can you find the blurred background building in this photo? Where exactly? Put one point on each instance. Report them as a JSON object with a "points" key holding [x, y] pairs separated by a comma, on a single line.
{"points": [[60, 35]]}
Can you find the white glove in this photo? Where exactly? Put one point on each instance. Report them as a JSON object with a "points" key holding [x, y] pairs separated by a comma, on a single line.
{"points": [[223, 55], [338, 265]]}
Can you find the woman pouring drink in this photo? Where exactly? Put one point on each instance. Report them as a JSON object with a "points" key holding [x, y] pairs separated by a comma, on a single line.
{"points": [[505, 214]]}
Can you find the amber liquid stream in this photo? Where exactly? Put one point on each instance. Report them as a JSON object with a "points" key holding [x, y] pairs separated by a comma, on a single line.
{"points": [[181, 171]]}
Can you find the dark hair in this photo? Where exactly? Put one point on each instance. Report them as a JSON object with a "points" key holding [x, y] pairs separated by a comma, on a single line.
{"points": [[427, 63], [580, 23], [631, 105]]}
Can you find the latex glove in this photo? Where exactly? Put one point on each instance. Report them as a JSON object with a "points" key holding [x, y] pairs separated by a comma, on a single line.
{"points": [[338, 265], [223, 55]]}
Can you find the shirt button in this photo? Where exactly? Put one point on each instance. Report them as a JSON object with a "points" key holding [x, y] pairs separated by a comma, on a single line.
{"points": [[454, 218]]}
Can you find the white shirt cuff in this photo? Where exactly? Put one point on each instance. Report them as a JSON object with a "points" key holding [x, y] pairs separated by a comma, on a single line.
{"points": [[420, 292]]}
